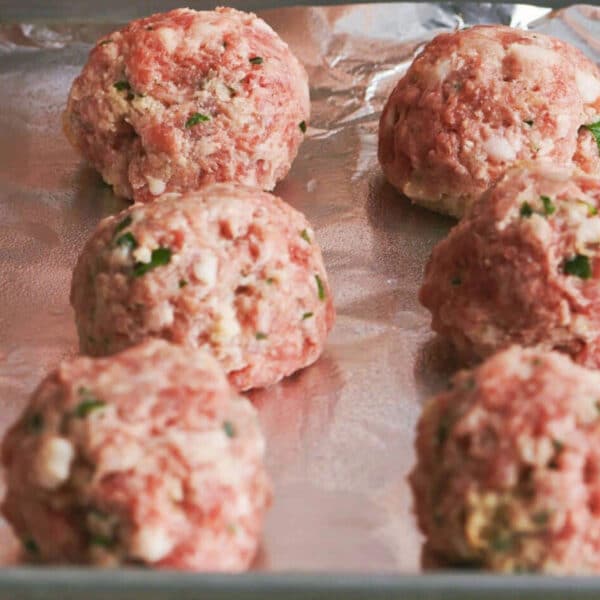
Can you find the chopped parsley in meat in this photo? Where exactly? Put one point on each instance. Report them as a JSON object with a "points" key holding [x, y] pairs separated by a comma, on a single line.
{"points": [[88, 404], [122, 85], [302, 126], [526, 210], [549, 207], [127, 240], [320, 288], [578, 265], [304, 235], [160, 256], [229, 429], [257, 60], [307, 315], [594, 128], [261, 336], [195, 119], [124, 224]]}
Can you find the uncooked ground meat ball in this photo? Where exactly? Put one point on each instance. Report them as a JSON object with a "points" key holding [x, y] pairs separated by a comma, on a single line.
{"points": [[508, 466], [184, 98], [147, 456], [522, 267], [228, 268], [478, 100]]}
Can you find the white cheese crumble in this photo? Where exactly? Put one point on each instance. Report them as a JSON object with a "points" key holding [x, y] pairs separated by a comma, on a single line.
{"points": [[151, 544], [53, 462]]}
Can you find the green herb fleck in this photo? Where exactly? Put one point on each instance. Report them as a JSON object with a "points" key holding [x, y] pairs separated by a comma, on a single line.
{"points": [[526, 210], [257, 60], [528, 122], [182, 283], [229, 429], [307, 315], [31, 546], [455, 281], [102, 540], [122, 85], [270, 281], [502, 542], [88, 404], [598, 406], [578, 265], [261, 336], [304, 235], [160, 256], [195, 119], [594, 128], [541, 517], [320, 288], [549, 207], [104, 42], [302, 126], [127, 240], [124, 224], [35, 423], [558, 445], [592, 211]]}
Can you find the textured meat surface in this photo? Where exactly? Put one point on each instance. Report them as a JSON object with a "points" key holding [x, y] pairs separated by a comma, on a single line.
{"points": [[522, 267], [507, 475], [147, 456], [235, 270], [184, 98], [478, 100]]}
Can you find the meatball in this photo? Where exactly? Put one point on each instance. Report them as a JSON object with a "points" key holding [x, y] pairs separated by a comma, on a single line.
{"points": [[184, 98], [522, 268], [508, 466], [147, 456], [227, 268], [478, 100]]}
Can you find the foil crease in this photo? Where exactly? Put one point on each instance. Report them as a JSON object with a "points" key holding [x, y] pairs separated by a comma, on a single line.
{"points": [[340, 433]]}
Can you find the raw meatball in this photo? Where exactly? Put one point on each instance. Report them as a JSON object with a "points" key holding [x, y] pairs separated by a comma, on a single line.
{"points": [[508, 467], [522, 267], [148, 456], [476, 101], [227, 268], [184, 98]]}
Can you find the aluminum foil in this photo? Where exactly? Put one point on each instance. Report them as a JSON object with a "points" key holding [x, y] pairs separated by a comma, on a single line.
{"points": [[340, 433]]}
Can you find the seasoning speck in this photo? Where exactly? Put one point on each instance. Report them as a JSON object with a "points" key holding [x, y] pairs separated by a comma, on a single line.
{"points": [[124, 224], [578, 265], [256, 60], [526, 210], [320, 288], [122, 85], [160, 256], [229, 429], [195, 119]]}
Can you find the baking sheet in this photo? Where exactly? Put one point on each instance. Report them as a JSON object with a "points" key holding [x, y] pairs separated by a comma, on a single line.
{"points": [[340, 433]]}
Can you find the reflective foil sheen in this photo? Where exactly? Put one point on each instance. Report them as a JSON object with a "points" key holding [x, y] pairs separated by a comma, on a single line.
{"points": [[340, 433]]}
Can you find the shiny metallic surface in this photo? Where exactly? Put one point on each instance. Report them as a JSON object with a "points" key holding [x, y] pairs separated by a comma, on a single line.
{"points": [[340, 433]]}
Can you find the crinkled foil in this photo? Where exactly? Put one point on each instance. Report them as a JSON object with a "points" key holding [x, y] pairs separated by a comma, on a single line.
{"points": [[340, 433]]}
